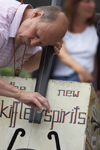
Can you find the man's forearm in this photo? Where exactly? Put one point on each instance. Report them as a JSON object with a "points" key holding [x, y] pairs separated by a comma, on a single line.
{"points": [[8, 90], [32, 99], [33, 63]]}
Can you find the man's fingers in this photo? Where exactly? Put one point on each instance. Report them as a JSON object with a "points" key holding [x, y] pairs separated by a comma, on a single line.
{"points": [[44, 102], [35, 107], [41, 102], [56, 50], [35, 100], [38, 103], [57, 47]]}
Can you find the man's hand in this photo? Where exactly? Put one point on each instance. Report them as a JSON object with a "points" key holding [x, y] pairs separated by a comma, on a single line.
{"points": [[34, 99], [57, 47], [84, 75]]}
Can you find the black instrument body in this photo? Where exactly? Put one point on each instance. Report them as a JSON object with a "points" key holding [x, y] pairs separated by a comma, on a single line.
{"points": [[42, 80]]}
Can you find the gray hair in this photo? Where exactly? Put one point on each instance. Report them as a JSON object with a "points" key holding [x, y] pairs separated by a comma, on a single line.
{"points": [[50, 13]]}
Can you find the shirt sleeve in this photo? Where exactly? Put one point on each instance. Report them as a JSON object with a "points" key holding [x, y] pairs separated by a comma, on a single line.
{"points": [[31, 51], [4, 33]]}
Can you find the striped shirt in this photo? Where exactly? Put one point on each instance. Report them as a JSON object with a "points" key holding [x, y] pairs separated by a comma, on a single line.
{"points": [[9, 24]]}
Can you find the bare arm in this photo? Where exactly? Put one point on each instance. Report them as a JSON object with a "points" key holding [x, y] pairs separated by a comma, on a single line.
{"points": [[32, 99], [33, 63], [83, 74]]}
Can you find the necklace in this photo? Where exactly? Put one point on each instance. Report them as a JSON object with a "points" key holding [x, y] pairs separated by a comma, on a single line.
{"points": [[18, 70]]}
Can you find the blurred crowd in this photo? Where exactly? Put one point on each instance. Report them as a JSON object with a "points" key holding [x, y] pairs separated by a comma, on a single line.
{"points": [[79, 57], [76, 59]]}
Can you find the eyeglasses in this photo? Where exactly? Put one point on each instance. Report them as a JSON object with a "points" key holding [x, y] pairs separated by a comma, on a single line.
{"points": [[88, 1]]}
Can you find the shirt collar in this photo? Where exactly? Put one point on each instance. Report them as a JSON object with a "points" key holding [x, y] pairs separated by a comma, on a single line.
{"points": [[17, 19]]}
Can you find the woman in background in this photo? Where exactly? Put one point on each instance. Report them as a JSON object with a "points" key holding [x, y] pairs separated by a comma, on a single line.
{"points": [[76, 59]]}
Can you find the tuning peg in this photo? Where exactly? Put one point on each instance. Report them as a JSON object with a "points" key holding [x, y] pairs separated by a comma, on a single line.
{"points": [[93, 120], [96, 127]]}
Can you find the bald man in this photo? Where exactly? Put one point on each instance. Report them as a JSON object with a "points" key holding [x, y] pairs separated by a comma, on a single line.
{"points": [[23, 30]]}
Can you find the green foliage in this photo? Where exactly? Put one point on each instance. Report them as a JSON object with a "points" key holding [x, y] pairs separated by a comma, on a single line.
{"points": [[9, 71]]}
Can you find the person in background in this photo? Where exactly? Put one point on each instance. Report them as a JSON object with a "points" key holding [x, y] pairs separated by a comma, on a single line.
{"points": [[22, 31], [76, 59]]}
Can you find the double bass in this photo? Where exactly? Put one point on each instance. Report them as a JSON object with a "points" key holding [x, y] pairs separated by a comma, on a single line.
{"points": [[43, 73]]}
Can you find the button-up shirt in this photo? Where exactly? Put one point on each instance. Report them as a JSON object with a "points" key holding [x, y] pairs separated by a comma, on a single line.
{"points": [[11, 13]]}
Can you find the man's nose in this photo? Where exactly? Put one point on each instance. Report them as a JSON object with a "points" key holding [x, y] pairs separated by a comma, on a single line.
{"points": [[35, 42]]}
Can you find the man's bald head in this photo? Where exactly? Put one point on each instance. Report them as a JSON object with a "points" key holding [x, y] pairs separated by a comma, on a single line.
{"points": [[50, 13], [44, 26], [54, 14]]}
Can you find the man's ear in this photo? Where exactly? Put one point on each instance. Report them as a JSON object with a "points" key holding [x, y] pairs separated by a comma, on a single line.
{"points": [[37, 13]]}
